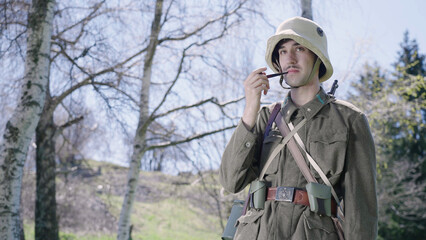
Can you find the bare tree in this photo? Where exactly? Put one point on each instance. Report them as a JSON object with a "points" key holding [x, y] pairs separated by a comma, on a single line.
{"points": [[72, 42], [47, 131], [189, 39], [21, 126]]}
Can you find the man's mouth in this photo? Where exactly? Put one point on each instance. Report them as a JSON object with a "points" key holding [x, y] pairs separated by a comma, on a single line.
{"points": [[292, 69]]}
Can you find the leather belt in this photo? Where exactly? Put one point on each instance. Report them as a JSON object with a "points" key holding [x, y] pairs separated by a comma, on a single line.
{"points": [[295, 196]]}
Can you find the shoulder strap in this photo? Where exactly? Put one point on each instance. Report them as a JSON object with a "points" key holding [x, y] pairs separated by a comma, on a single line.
{"points": [[279, 147], [295, 151], [316, 167], [271, 119], [298, 157]]}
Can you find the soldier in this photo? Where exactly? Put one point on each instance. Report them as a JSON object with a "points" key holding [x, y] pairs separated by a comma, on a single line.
{"points": [[336, 135]]}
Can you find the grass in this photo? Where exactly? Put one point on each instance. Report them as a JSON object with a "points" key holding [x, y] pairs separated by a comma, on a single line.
{"points": [[166, 220], [29, 235], [170, 217], [173, 219]]}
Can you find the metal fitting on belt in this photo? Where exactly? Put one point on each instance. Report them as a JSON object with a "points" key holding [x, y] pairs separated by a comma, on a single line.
{"points": [[285, 194]]}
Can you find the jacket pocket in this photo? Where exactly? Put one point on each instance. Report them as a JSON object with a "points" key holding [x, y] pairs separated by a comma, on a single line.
{"points": [[269, 145], [248, 225], [328, 149], [317, 227]]}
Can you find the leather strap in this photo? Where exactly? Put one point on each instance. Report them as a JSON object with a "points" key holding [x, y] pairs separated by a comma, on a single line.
{"points": [[300, 161], [280, 146], [319, 171], [295, 151], [271, 119], [297, 155], [300, 198]]}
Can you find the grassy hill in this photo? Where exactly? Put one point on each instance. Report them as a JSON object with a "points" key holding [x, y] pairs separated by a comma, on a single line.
{"points": [[167, 207]]}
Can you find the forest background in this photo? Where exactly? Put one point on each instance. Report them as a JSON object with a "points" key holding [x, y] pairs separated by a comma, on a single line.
{"points": [[155, 87]]}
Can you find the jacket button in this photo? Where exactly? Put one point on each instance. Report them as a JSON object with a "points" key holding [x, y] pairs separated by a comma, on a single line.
{"points": [[248, 144]]}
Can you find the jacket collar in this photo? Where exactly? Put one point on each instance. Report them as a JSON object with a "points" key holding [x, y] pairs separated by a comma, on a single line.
{"points": [[309, 110]]}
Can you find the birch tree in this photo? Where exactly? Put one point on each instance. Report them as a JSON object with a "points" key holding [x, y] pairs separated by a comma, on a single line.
{"points": [[47, 131], [21, 126], [71, 45], [188, 39]]}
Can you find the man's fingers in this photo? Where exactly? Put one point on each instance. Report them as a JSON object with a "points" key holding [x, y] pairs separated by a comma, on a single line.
{"points": [[263, 82], [255, 73], [259, 70], [261, 87], [257, 82]]}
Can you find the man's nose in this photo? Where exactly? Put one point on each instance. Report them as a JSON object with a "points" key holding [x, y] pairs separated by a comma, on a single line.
{"points": [[291, 57]]}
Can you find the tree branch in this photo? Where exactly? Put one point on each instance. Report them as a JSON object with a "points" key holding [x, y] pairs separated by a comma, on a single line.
{"points": [[188, 139], [90, 78], [212, 99], [199, 29], [166, 94], [70, 123], [84, 21]]}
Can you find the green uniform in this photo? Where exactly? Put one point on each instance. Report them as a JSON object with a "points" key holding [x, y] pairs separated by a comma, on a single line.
{"points": [[338, 138]]}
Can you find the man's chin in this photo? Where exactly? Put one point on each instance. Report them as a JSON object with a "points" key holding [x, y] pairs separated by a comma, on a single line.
{"points": [[293, 84]]}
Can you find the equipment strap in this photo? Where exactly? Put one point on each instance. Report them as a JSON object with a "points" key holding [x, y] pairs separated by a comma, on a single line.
{"points": [[271, 119], [297, 155], [316, 167], [280, 146], [294, 150]]}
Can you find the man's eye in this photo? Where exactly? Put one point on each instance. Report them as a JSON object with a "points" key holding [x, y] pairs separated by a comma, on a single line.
{"points": [[282, 52], [300, 49]]}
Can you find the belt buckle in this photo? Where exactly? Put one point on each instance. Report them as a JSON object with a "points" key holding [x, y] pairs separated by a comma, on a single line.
{"points": [[284, 194]]}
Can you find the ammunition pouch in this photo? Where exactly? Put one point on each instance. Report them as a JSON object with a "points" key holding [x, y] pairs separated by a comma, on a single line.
{"points": [[257, 194], [319, 198]]}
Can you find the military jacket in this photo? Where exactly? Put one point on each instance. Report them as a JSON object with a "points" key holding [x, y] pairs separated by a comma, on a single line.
{"points": [[337, 136]]}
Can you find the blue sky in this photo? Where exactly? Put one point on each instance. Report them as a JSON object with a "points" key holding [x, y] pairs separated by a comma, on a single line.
{"points": [[373, 29]]}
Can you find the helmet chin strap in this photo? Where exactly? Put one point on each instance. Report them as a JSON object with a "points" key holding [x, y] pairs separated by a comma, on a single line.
{"points": [[311, 75]]}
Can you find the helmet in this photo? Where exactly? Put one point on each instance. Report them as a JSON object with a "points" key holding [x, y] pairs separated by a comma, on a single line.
{"points": [[305, 32]]}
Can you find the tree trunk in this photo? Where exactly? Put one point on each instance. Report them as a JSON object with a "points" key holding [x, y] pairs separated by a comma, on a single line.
{"points": [[46, 224], [21, 126], [139, 147], [306, 9]]}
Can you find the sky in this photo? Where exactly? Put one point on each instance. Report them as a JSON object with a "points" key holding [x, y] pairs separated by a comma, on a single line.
{"points": [[360, 31], [373, 30]]}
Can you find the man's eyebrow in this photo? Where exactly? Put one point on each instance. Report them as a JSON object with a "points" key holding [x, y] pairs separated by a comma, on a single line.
{"points": [[295, 44]]}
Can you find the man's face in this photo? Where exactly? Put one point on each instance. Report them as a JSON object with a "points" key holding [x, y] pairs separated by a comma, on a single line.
{"points": [[298, 61]]}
